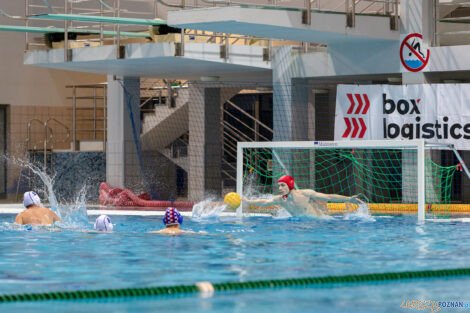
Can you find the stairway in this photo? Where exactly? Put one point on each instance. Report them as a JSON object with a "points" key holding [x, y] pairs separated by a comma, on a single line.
{"points": [[167, 122], [452, 23]]}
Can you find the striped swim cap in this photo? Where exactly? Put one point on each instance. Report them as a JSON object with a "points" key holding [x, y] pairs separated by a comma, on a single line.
{"points": [[172, 217]]}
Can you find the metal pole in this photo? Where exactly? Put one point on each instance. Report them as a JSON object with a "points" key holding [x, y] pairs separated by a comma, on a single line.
{"points": [[257, 119], [94, 113], [118, 45], [396, 14], [353, 17], [105, 103], [66, 33], [226, 46], [26, 24], [182, 41], [309, 12], [435, 38], [421, 179], [74, 118], [101, 26], [45, 150]]}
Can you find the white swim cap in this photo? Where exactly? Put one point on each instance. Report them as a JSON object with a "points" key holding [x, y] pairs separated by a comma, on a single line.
{"points": [[103, 223], [30, 198]]}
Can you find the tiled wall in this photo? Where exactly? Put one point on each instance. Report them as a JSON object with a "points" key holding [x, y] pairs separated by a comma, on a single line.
{"points": [[19, 117]]}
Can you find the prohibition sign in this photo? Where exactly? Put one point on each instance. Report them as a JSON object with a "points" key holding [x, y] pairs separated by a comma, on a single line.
{"points": [[421, 62]]}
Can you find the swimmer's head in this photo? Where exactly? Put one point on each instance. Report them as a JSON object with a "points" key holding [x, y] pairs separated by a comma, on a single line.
{"points": [[31, 198], [172, 217], [288, 180], [103, 223]]}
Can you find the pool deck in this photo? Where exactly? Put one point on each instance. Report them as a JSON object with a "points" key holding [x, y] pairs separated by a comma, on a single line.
{"points": [[15, 208]]}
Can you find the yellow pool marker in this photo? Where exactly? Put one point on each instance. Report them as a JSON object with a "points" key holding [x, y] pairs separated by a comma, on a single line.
{"points": [[388, 208]]}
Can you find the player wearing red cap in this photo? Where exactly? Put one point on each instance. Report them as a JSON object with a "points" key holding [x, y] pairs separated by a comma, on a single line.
{"points": [[301, 202]]}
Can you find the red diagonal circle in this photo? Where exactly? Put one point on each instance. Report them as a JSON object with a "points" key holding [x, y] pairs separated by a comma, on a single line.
{"points": [[366, 99], [359, 100], [348, 127], [414, 52], [355, 128], [364, 128], [351, 106]]}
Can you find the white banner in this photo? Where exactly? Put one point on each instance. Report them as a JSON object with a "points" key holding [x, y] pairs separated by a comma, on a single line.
{"points": [[435, 112]]}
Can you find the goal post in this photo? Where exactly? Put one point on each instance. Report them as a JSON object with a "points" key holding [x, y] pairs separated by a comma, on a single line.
{"points": [[398, 176]]}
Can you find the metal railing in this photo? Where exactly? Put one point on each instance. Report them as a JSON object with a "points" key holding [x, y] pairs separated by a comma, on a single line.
{"points": [[451, 23], [92, 95], [51, 138], [47, 141], [100, 30], [350, 7], [231, 135]]}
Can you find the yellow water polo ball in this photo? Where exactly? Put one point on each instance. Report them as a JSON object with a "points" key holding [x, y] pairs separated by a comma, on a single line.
{"points": [[232, 200]]}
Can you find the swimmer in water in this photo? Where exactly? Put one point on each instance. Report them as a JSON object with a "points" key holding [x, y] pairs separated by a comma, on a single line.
{"points": [[35, 214], [301, 202], [172, 220], [103, 224]]}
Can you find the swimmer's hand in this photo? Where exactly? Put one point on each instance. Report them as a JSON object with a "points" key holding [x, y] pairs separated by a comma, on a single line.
{"points": [[355, 199]]}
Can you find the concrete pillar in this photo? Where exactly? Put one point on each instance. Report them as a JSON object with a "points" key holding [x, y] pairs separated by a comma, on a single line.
{"points": [[204, 144], [291, 114], [416, 16], [290, 100], [122, 163]]}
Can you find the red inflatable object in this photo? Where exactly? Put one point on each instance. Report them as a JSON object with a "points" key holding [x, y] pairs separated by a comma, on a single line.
{"points": [[126, 198]]}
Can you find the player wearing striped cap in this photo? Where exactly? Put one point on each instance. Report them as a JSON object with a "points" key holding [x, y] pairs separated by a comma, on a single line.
{"points": [[172, 220]]}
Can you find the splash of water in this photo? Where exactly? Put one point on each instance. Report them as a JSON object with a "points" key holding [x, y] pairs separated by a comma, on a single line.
{"points": [[75, 214], [362, 213], [72, 215], [207, 209]]}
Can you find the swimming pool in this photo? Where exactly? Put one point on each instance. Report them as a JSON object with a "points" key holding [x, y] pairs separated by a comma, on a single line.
{"points": [[228, 249]]}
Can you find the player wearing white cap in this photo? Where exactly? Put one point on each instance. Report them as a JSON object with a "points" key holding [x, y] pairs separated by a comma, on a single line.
{"points": [[35, 214]]}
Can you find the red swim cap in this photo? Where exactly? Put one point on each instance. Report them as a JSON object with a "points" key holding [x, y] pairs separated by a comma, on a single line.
{"points": [[289, 180]]}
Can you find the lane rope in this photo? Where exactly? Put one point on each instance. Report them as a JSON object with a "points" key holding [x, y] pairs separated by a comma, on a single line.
{"points": [[207, 287]]}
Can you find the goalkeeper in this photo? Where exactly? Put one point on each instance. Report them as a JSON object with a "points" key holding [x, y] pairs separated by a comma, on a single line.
{"points": [[301, 202]]}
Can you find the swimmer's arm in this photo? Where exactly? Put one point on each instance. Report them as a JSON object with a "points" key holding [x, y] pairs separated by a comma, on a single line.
{"points": [[312, 194], [19, 219], [55, 218], [263, 202]]}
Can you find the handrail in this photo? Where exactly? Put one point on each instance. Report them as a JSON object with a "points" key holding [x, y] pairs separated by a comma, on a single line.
{"points": [[181, 6], [231, 133], [28, 132], [464, 17], [229, 175], [51, 119], [248, 115], [244, 124], [230, 164]]}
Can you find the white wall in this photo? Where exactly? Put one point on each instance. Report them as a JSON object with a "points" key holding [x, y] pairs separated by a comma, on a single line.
{"points": [[29, 85]]}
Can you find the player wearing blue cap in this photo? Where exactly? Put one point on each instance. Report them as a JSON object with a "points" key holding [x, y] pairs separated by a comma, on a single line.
{"points": [[172, 220], [35, 214]]}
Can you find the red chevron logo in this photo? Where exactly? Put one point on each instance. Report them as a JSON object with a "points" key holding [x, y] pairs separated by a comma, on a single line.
{"points": [[355, 128], [352, 103], [348, 127]]}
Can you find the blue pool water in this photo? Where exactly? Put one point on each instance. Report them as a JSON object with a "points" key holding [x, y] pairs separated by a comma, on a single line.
{"points": [[227, 249]]}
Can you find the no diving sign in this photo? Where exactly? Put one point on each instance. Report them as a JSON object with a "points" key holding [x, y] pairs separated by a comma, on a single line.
{"points": [[414, 57]]}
